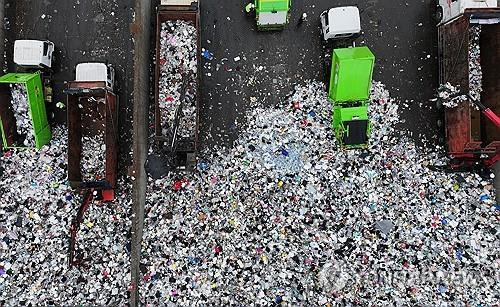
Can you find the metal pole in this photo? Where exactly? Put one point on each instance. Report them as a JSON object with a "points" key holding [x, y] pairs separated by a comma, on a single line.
{"points": [[140, 30]]}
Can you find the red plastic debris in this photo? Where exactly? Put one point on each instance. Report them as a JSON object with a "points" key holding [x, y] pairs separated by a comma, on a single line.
{"points": [[179, 184], [218, 249]]}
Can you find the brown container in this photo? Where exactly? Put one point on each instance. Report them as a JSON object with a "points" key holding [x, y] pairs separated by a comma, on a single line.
{"points": [[186, 147], [85, 119], [468, 132]]}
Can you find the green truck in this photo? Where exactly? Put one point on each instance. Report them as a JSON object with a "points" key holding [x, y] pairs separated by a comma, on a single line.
{"points": [[270, 14], [37, 115], [349, 92]]}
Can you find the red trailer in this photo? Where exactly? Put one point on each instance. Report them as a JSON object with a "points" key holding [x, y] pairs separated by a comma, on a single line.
{"points": [[182, 149], [92, 110], [471, 137]]}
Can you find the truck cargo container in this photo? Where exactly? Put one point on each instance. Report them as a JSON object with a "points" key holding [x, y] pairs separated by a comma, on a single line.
{"points": [[185, 148], [470, 136], [37, 114], [92, 110], [349, 91]]}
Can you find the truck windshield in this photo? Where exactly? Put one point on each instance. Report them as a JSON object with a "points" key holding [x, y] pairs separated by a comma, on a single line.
{"points": [[45, 48]]}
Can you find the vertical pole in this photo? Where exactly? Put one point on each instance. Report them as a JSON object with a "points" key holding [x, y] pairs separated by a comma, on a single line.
{"points": [[140, 29]]}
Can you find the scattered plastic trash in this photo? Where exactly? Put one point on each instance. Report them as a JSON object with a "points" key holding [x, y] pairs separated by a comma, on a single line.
{"points": [[452, 95], [475, 71], [93, 162], [178, 56], [20, 106], [36, 209], [292, 219], [207, 54]]}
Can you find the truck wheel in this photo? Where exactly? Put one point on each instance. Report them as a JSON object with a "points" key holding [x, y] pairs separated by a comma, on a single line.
{"points": [[439, 104], [439, 14]]}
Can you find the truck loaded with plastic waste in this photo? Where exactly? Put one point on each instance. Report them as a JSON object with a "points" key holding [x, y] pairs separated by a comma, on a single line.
{"points": [[23, 94], [469, 57], [177, 87]]}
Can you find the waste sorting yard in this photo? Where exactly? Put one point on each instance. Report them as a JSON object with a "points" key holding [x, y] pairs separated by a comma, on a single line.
{"points": [[286, 216], [36, 212], [281, 169]]}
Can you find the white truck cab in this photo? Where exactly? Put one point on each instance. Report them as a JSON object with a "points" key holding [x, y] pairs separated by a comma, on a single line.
{"points": [[33, 53], [448, 10], [340, 22], [96, 72]]}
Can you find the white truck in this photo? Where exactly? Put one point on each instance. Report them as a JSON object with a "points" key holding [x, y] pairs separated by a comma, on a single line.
{"points": [[340, 22], [33, 53], [449, 10], [96, 72]]}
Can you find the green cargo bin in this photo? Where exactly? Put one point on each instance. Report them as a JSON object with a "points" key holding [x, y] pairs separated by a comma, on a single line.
{"points": [[36, 107], [349, 91], [351, 74], [272, 14], [351, 125]]}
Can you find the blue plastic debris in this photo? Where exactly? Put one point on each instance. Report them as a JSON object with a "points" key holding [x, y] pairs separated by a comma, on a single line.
{"points": [[284, 152], [484, 197], [207, 54], [194, 260], [459, 254], [202, 166]]}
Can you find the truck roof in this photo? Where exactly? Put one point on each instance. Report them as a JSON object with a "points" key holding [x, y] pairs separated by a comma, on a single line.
{"points": [[272, 5], [91, 72], [344, 19], [29, 52]]}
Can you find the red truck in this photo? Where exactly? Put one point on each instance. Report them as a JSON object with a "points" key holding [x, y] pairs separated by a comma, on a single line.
{"points": [[472, 135]]}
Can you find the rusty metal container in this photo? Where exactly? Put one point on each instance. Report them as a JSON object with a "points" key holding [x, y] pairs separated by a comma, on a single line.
{"points": [[186, 148], [469, 134], [86, 118]]}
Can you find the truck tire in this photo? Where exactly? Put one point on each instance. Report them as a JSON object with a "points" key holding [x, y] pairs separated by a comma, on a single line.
{"points": [[439, 14], [439, 104]]}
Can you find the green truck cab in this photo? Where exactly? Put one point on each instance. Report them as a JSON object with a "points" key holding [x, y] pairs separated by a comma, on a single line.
{"points": [[349, 92], [36, 107], [270, 14]]}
